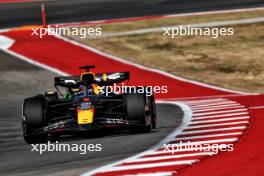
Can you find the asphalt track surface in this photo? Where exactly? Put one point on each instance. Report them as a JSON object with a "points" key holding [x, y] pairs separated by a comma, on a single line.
{"points": [[16, 158], [16, 14]]}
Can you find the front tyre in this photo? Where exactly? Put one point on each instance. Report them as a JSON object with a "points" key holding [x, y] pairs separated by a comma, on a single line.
{"points": [[153, 111], [33, 118], [135, 107]]}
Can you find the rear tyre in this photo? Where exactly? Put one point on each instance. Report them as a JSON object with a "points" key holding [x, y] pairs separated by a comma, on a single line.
{"points": [[135, 109], [34, 118], [153, 111]]}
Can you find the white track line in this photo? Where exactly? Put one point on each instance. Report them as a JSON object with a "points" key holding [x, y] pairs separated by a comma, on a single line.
{"points": [[191, 102], [217, 124], [209, 96], [213, 130], [175, 151], [6, 42], [217, 108], [5, 30], [198, 110], [171, 157], [144, 166], [208, 103], [220, 116], [205, 142], [219, 120], [207, 136], [170, 173], [219, 112], [215, 104], [256, 107]]}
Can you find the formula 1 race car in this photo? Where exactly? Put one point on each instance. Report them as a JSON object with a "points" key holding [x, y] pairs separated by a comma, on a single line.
{"points": [[83, 106]]}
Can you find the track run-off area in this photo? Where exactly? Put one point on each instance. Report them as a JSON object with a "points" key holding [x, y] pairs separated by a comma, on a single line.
{"points": [[212, 115]]}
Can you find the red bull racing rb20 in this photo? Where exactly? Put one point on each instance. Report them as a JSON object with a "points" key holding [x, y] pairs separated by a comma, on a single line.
{"points": [[82, 107]]}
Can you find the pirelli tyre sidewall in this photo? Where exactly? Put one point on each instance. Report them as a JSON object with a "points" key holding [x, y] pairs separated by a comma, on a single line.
{"points": [[153, 111], [34, 118], [135, 108]]}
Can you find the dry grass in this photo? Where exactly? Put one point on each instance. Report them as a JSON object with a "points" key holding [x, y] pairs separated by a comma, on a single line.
{"points": [[235, 62], [125, 26]]}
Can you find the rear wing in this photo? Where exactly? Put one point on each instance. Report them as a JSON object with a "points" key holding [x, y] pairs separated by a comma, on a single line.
{"points": [[106, 79], [102, 79], [67, 81]]}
